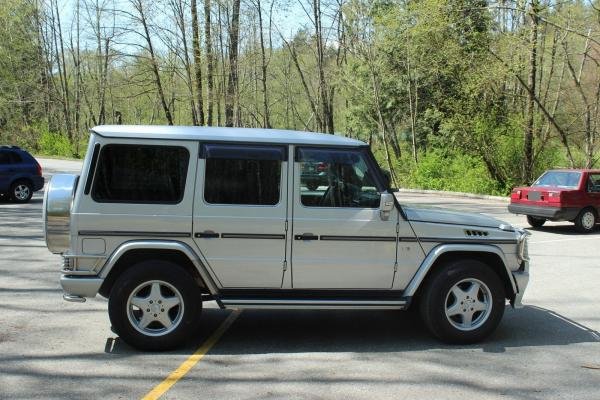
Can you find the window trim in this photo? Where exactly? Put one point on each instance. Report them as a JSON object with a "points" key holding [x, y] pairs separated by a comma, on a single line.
{"points": [[237, 151], [137, 146], [369, 160]]}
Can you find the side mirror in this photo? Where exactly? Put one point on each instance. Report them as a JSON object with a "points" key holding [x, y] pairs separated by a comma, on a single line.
{"points": [[386, 205]]}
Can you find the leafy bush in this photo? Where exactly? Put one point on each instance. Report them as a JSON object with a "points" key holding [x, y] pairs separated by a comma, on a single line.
{"points": [[450, 171], [54, 144]]}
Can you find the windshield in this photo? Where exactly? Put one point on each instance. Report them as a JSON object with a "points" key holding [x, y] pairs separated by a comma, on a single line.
{"points": [[566, 179]]}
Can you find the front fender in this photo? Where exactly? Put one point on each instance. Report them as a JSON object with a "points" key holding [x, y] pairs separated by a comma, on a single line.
{"points": [[434, 254]]}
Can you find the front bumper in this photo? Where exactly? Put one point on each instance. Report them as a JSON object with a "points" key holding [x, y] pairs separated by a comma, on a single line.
{"points": [[521, 278], [552, 213], [77, 287]]}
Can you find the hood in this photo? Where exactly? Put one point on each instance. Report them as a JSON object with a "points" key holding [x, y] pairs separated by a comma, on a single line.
{"points": [[443, 216]]}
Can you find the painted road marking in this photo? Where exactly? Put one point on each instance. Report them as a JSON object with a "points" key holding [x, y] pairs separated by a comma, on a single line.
{"points": [[192, 360]]}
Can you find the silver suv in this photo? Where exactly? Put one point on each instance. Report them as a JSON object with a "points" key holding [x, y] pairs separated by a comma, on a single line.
{"points": [[164, 218]]}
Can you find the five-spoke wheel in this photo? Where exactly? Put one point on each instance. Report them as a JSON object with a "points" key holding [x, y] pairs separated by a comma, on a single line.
{"points": [[468, 304], [462, 301], [155, 305], [21, 192]]}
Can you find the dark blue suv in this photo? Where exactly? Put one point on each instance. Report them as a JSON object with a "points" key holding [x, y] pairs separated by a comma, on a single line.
{"points": [[20, 174]]}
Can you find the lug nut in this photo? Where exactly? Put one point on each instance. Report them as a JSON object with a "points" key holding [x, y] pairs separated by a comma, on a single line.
{"points": [[155, 315], [162, 310], [151, 301], [147, 310]]}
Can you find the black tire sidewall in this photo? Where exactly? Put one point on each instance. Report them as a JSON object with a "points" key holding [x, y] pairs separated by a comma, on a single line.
{"points": [[579, 224], [433, 301], [147, 271], [14, 186], [535, 222]]}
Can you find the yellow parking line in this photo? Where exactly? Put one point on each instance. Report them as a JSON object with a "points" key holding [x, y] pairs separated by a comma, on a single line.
{"points": [[192, 360]]}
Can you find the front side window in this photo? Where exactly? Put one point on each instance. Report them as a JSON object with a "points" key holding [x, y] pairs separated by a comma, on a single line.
{"points": [[336, 178], [237, 174], [140, 174]]}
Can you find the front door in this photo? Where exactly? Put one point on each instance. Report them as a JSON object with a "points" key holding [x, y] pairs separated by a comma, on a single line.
{"points": [[240, 213], [340, 240]]}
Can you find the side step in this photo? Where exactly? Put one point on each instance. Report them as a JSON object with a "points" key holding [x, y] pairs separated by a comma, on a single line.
{"points": [[316, 304], [316, 299]]}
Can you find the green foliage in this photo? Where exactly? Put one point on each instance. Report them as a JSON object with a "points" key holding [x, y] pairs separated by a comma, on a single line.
{"points": [[54, 144], [452, 171]]}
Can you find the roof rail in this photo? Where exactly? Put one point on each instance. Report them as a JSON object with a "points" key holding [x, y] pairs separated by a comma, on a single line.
{"points": [[7, 146]]}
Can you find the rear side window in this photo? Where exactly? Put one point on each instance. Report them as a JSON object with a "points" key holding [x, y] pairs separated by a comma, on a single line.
{"points": [[15, 158], [10, 157], [140, 174], [249, 175]]}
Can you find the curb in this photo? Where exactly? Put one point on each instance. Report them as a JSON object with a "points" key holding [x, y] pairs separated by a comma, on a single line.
{"points": [[505, 199]]}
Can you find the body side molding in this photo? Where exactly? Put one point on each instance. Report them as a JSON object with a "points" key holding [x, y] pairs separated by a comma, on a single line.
{"points": [[161, 245], [434, 254]]}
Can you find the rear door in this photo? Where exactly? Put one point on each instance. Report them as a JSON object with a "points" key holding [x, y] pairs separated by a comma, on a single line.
{"points": [[340, 240], [240, 213]]}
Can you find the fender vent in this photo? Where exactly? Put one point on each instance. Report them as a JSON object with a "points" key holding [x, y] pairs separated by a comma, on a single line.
{"points": [[474, 233]]}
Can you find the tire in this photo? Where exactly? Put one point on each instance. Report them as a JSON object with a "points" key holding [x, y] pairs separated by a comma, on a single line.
{"points": [[155, 285], [585, 222], [442, 311], [535, 222], [21, 192]]}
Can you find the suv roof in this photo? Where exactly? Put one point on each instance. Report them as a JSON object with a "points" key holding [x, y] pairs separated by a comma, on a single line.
{"points": [[219, 134]]}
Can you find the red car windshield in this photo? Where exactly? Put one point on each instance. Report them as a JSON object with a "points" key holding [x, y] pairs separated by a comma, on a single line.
{"points": [[565, 179]]}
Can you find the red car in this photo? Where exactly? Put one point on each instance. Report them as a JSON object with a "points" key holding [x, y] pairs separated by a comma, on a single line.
{"points": [[560, 195]]}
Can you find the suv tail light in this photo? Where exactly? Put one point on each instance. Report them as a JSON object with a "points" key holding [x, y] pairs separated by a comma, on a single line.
{"points": [[39, 169]]}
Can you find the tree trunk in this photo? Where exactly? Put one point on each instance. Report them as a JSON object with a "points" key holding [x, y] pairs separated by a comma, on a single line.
{"points": [[527, 170], [137, 4], [232, 83], [209, 63], [263, 67], [197, 62]]}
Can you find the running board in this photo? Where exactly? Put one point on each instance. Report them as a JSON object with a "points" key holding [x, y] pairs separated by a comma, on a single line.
{"points": [[315, 304]]}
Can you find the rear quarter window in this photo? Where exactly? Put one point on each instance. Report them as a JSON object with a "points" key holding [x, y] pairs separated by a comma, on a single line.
{"points": [[140, 174]]}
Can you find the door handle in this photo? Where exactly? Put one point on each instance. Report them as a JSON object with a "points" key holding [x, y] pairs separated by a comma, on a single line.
{"points": [[306, 236], [206, 235]]}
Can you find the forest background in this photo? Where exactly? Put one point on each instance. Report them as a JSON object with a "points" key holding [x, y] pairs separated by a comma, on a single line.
{"points": [[464, 95]]}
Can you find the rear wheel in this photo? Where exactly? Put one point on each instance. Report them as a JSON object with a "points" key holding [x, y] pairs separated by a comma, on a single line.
{"points": [[535, 222], [155, 305], [21, 192], [463, 302], [586, 220]]}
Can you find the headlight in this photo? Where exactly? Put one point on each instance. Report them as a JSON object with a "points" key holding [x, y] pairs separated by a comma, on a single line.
{"points": [[522, 245]]}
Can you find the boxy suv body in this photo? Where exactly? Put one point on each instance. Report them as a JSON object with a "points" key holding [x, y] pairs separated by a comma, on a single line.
{"points": [[164, 218], [20, 174]]}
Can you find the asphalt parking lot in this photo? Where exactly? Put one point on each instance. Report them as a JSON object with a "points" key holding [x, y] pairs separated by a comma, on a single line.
{"points": [[549, 350]]}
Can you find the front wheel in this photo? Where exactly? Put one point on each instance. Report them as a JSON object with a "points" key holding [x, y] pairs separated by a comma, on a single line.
{"points": [[463, 302], [586, 220], [535, 222], [154, 305]]}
